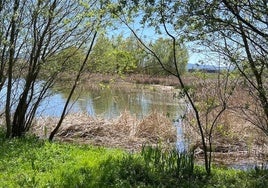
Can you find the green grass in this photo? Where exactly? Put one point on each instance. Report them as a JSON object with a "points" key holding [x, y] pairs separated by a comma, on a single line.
{"points": [[30, 162], [33, 163]]}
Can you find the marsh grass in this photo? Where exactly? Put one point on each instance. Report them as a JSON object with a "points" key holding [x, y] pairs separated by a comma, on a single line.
{"points": [[139, 171], [168, 161], [234, 138], [234, 141], [126, 131], [231, 141]]}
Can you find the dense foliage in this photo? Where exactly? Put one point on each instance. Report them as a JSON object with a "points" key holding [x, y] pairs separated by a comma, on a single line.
{"points": [[116, 55], [122, 55]]}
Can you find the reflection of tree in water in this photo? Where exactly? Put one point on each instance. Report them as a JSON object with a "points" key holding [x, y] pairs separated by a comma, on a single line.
{"points": [[109, 102]]}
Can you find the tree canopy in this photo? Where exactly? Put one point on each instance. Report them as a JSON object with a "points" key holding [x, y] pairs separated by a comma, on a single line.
{"points": [[31, 34]]}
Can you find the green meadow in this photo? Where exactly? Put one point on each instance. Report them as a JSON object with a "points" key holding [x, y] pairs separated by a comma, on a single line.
{"points": [[30, 162]]}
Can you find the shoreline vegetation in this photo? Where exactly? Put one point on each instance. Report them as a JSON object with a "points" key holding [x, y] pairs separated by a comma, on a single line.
{"points": [[97, 152], [125, 132], [235, 140], [31, 162], [130, 134]]}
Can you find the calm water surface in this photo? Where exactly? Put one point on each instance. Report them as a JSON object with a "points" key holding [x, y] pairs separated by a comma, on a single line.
{"points": [[110, 102], [105, 101]]}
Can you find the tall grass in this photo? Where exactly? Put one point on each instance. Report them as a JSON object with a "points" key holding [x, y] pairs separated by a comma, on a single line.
{"points": [[153, 167], [168, 161]]}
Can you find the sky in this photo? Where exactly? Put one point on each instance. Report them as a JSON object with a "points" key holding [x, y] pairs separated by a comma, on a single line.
{"points": [[149, 35]]}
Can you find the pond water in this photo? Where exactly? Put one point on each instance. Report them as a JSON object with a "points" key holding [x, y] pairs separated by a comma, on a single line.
{"points": [[248, 166], [109, 102]]}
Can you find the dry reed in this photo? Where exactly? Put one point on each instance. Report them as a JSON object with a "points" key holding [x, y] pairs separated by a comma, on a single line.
{"points": [[233, 140], [126, 131]]}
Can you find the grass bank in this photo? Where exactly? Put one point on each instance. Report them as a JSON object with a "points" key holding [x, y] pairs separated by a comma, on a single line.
{"points": [[29, 162]]}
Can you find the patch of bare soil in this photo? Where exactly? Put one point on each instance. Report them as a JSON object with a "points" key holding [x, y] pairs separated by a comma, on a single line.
{"points": [[125, 132]]}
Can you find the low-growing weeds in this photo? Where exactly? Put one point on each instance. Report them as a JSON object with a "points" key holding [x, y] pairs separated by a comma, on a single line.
{"points": [[129, 171], [30, 162]]}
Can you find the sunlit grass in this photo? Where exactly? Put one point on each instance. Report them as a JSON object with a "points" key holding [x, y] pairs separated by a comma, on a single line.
{"points": [[29, 162], [33, 163]]}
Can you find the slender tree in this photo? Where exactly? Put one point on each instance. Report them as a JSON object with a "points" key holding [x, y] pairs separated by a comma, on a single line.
{"points": [[82, 67], [238, 32], [162, 16], [33, 32]]}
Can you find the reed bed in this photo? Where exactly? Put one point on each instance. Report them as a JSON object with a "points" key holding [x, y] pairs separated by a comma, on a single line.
{"points": [[234, 140], [125, 132]]}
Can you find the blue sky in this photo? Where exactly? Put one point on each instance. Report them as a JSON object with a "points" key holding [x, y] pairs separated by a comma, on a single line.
{"points": [[149, 35]]}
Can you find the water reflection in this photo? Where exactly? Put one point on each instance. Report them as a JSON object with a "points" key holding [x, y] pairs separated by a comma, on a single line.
{"points": [[181, 145], [109, 102], [248, 166]]}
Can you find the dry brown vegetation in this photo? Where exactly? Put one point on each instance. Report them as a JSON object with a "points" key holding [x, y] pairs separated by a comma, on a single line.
{"points": [[125, 132], [234, 138], [130, 78]]}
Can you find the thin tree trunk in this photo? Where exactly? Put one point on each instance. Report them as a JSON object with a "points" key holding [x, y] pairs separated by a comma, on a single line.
{"points": [[10, 68], [63, 114]]}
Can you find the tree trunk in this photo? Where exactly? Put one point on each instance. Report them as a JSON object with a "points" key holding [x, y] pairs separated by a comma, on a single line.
{"points": [[63, 114], [10, 68]]}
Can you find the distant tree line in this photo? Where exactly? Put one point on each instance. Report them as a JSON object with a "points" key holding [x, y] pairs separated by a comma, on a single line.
{"points": [[122, 55]]}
